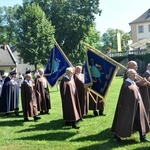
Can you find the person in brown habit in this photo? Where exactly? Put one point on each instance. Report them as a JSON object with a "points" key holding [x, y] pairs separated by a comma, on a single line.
{"points": [[142, 84], [28, 99], [70, 102], [131, 65], [130, 115], [42, 93], [145, 91], [82, 92]]}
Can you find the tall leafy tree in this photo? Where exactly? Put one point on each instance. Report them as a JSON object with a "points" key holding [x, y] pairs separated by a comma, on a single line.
{"points": [[76, 19], [92, 38], [8, 25], [35, 35], [109, 39], [72, 20], [2, 29]]}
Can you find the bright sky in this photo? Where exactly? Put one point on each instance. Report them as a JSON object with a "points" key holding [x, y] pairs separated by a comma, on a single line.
{"points": [[116, 14], [10, 2]]}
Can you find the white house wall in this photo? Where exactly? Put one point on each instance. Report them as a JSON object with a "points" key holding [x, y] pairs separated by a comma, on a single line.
{"points": [[145, 34], [6, 70], [21, 67]]}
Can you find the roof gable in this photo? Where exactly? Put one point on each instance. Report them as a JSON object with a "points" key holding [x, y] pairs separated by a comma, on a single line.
{"points": [[143, 18], [6, 56]]}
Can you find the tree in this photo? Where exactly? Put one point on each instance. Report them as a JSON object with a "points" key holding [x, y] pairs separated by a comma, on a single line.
{"points": [[35, 35], [2, 35], [72, 20], [93, 38], [8, 25], [109, 39]]}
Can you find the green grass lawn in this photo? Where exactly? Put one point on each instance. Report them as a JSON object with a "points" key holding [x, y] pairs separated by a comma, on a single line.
{"points": [[49, 133]]}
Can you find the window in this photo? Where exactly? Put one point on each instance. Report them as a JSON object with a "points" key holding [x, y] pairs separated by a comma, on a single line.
{"points": [[140, 29]]}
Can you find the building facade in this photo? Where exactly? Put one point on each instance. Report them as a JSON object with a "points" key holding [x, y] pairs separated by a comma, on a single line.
{"points": [[21, 66], [7, 60], [140, 27]]}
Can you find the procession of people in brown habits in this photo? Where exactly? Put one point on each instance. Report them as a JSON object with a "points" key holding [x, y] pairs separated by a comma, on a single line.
{"points": [[132, 110]]}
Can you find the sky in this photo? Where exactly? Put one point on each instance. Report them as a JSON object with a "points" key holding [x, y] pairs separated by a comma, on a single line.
{"points": [[116, 14]]}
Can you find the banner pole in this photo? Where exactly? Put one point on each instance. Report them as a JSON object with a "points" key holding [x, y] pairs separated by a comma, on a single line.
{"points": [[92, 97], [62, 52]]}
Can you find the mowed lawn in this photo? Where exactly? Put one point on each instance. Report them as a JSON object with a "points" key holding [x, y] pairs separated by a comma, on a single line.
{"points": [[49, 133]]}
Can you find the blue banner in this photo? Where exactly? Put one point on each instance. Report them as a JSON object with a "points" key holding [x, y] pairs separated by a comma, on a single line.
{"points": [[56, 65], [87, 75], [99, 73]]}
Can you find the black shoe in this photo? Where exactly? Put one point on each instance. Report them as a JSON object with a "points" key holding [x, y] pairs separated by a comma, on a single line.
{"points": [[36, 118], [144, 139], [81, 119], [6, 114], [95, 113], [75, 126], [41, 113], [26, 119], [68, 123], [16, 113], [117, 138], [47, 112], [101, 114]]}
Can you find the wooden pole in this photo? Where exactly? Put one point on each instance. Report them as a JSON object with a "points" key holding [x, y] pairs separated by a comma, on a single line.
{"points": [[92, 97]]}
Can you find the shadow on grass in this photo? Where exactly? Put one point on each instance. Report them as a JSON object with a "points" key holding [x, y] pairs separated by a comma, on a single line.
{"points": [[88, 116], [11, 119], [141, 148], [11, 115], [11, 123], [58, 136], [52, 125], [106, 141]]}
